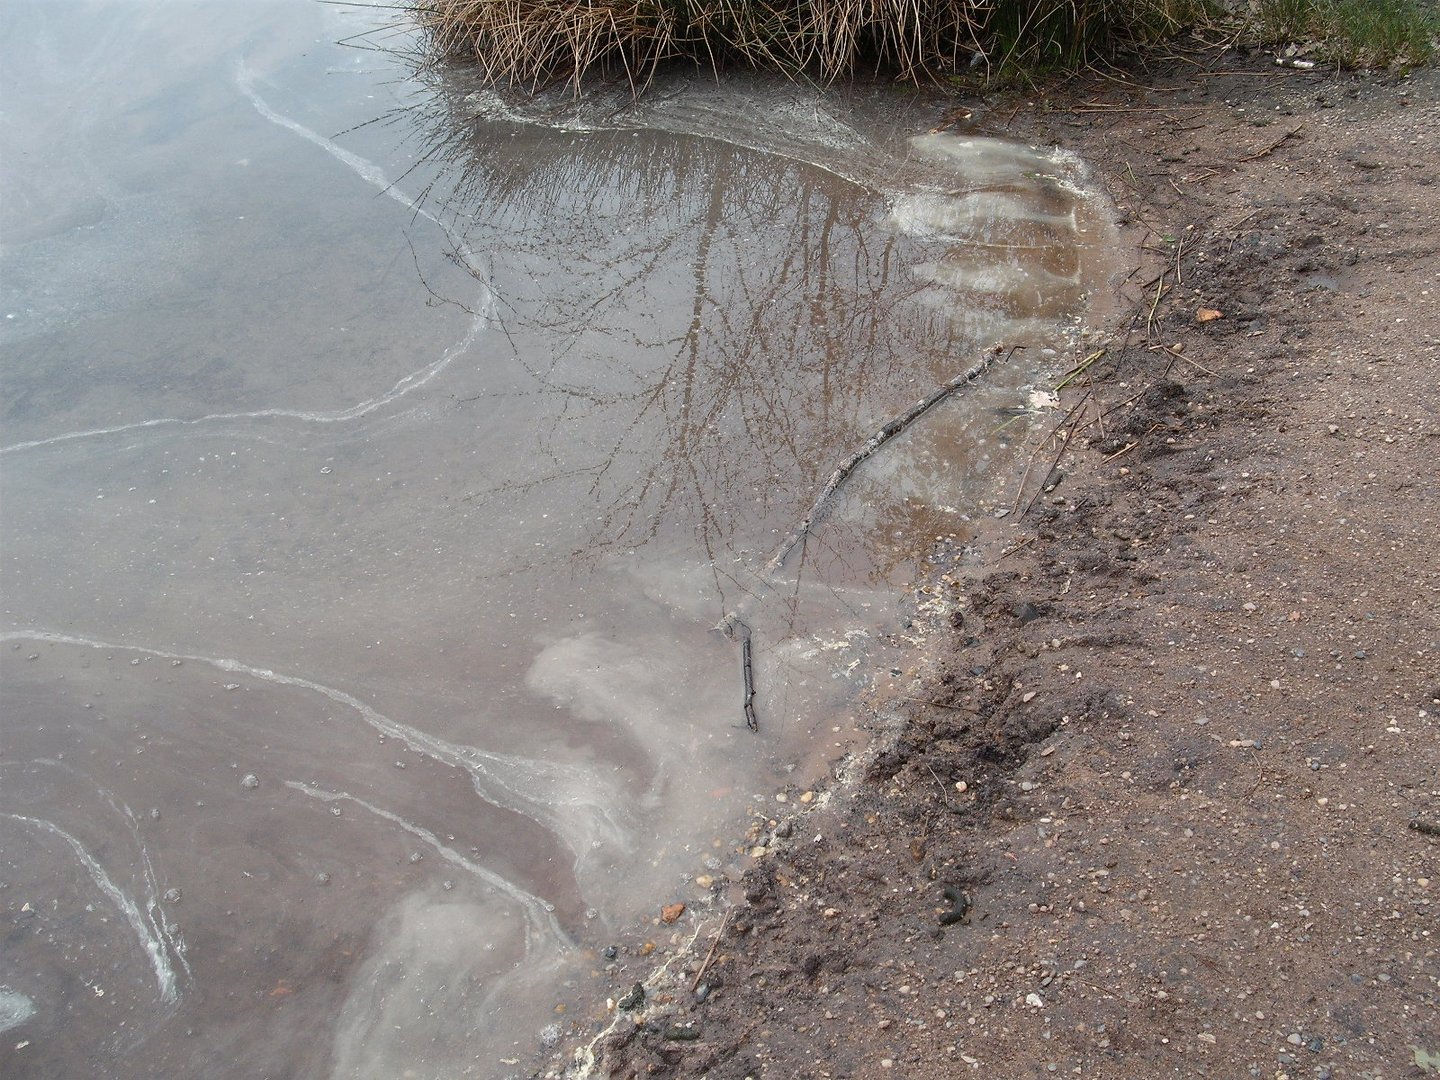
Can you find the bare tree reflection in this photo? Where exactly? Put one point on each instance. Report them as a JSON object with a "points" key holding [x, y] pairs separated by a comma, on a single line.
{"points": [[708, 329]]}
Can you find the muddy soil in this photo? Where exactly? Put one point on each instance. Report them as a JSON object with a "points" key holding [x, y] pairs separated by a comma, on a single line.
{"points": [[1160, 795]]}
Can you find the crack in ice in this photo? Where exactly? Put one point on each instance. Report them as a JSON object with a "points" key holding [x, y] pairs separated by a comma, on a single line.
{"points": [[153, 939], [540, 924], [568, 800], [483, 313]]}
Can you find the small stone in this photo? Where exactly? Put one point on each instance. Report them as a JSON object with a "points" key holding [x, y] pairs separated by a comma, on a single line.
{"points": [[609, 952], [250, 782], [1035, 1001], [647, 948], [415, 857], [807, 797], [634, 999], [172, 896], [671, 912], [1294, 1038], [322, 878], [549, 1035]]}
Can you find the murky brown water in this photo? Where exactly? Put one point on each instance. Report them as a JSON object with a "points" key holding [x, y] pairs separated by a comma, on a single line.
{"points": [[370, 496]]}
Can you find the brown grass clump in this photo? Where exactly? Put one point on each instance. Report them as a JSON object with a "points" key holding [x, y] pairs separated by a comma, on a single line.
{"points": [[529, 43]]}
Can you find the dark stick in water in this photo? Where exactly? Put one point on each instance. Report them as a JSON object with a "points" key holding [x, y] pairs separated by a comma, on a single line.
{"points": [[879, 439], [751, 720], [733, 628]]}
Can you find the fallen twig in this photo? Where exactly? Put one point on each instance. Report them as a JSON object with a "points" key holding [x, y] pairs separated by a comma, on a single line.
{"points": [[711, 954], [751, 721], [1078, 369], [733, 628], [937, 704], [1066, 441], [875, 442], [1273, 146], [1160, 290], [1017, 547]]}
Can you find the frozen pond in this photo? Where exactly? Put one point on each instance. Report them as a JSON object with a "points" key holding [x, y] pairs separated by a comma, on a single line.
{"points": [[372, 490]]}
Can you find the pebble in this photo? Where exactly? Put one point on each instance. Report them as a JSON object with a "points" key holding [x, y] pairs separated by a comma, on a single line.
{"points": [[172, 896], [250, 782], [322, 878]]}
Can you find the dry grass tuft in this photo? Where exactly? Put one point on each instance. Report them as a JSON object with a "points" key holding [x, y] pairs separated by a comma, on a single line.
{"points": [[530, 43]]}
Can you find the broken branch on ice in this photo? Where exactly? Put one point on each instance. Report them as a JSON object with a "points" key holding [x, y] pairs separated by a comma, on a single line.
{"points": [[879, 439]]}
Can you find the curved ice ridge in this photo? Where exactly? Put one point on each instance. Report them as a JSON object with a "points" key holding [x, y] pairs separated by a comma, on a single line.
{"points": [[152, 936], [569, 800], [368, 171], [541, 925], [791, 126], [372, 174], [410, 382], [820, 139]]}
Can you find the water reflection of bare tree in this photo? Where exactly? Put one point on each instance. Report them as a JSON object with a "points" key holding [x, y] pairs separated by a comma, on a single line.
{"points": [[703, 331]]}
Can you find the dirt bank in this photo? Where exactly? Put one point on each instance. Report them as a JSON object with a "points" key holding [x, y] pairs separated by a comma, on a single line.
{"points": [[1163, 797]]}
